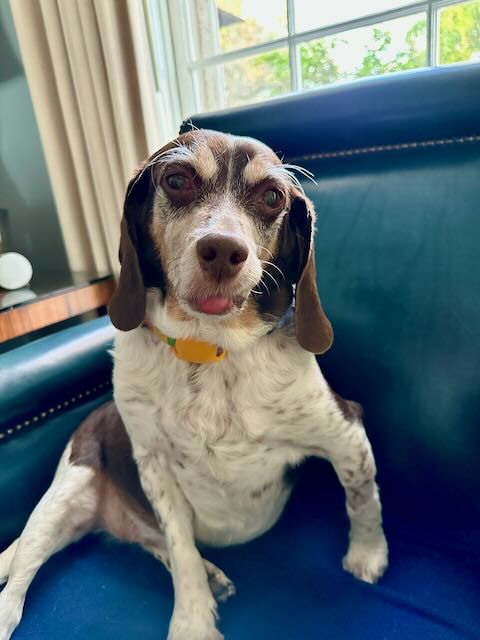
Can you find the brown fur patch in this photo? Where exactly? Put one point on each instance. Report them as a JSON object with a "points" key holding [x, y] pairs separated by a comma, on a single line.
{"points": [[102, 443], [258, 493], [350, 409]]}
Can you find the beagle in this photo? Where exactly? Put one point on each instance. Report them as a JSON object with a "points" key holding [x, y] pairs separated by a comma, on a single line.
{"points": [[217, 389]]}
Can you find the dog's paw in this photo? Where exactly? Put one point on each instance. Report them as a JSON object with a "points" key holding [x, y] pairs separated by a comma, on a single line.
{"points": [[367, 561], [220, 585], [10, 615]]}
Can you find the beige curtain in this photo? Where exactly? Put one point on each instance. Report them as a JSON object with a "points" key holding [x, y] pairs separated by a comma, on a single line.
{"points": [[81, 67]]}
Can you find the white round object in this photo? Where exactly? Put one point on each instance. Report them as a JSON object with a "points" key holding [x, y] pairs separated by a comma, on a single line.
{"points": [[17, 297], [15, 271]]}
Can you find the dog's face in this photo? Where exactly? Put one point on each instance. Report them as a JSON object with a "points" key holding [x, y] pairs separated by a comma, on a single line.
{"points": [[219, 228], [216, 214]]}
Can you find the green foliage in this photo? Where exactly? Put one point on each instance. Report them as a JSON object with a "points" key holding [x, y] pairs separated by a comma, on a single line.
{"points": [[372, 64], [460, 33], [316, 63], [268, 74], [379, 60], [274, 66], [257, 78], [242, 34]]}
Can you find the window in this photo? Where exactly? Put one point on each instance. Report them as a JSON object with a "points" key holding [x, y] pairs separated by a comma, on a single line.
{"points": [[235, 52]]}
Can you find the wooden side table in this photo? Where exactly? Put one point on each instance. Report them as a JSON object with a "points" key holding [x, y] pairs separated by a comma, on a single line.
{"points": [[52, 298]]}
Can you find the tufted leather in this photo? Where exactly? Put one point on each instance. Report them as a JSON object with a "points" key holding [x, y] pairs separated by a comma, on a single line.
{"points": [[397, 263], [47, 387]]}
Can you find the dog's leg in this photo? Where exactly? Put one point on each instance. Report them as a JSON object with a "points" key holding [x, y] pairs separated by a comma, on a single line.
{"points": [[344, 442], [350, 453], [220, 585], [64, 514], [195, 607], [6, 560]]}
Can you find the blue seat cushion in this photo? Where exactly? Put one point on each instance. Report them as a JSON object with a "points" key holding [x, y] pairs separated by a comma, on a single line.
{"points": [[290, 583]]}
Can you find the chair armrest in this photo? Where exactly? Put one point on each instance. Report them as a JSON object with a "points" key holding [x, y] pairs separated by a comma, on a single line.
{"points": [[47, 388]]}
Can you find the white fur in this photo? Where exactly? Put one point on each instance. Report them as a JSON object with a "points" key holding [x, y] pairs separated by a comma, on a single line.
{"points": [[256, 170], [234, 446]]}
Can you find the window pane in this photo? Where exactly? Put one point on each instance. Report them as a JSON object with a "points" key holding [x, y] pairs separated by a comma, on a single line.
{"points": [[226, 25], [243, 23], [311, 14], [247, 80], [394, 45], [460, 33]]}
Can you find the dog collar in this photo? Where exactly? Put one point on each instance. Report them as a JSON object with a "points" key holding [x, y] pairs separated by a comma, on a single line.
{"points": [[193, 351]]}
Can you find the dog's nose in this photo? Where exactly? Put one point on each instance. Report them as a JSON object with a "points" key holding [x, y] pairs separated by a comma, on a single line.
{"points": [[222, 255]]}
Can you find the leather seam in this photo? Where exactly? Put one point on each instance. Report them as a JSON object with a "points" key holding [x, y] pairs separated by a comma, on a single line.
{"points": [[40, 417], [419, 144]]}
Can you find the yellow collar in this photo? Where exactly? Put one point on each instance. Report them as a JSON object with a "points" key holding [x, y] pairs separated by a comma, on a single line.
{"points": [[193, 351]]}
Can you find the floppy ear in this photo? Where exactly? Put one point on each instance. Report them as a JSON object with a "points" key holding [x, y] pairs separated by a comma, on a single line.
{"points": [[313, 329], [127, 306]]}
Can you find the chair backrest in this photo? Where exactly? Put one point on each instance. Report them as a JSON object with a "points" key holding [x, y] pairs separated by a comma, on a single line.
{"points": [[397, 160]]}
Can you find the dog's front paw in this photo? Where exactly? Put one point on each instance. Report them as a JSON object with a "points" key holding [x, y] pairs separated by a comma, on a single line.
{"points": [[367, 560]]}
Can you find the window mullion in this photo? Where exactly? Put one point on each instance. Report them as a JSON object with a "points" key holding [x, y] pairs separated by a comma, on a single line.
{"points": [[182, 50], [432, 35], [295, 70], [430, 11]]}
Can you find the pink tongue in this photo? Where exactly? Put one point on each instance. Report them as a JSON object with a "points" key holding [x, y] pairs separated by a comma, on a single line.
{"points": [[214, 305]]}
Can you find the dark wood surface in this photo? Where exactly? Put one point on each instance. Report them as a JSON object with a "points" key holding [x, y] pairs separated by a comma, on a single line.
{"points": [[55, 298]]}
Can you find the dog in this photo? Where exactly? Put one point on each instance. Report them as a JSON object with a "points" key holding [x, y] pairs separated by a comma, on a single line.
{"points": [[217, 391]]}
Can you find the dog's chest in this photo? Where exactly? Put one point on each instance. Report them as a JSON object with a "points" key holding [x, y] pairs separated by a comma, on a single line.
{"points": [[225, 431], [223, 418]]}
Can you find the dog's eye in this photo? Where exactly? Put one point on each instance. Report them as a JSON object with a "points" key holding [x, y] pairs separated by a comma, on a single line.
{"points": [[271, 198], [177, 182]]}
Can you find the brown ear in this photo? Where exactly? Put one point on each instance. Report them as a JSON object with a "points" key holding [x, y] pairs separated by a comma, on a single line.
{"points": [[127, 306], [313, 329]]}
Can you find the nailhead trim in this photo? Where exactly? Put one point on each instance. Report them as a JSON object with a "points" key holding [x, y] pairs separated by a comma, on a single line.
{"points": [[44, 414], [387, 147]]}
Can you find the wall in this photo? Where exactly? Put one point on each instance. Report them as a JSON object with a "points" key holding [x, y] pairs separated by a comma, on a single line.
{"points": [[24, 184]]}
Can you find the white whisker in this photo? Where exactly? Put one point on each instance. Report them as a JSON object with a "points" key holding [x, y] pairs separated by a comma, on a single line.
{"points": [[275, 267], [272, 278], [261, 281], [305, 172], [265, 249], [192, 126]]}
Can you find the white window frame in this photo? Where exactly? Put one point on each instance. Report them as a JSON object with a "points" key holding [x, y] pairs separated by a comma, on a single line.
{"points": [[171, 25]]}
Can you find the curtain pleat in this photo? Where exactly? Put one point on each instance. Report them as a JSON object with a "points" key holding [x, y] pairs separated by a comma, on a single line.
{"points": [[80, 63]]}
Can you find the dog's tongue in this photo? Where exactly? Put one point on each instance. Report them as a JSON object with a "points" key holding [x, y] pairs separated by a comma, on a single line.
{"points": [[215, 305]]}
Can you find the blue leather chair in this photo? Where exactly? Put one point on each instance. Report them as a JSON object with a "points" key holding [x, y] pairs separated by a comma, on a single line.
{"points": [[397, 161]]}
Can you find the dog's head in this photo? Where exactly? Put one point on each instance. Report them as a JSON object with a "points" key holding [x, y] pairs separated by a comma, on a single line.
{"points": [[218, 230]]}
